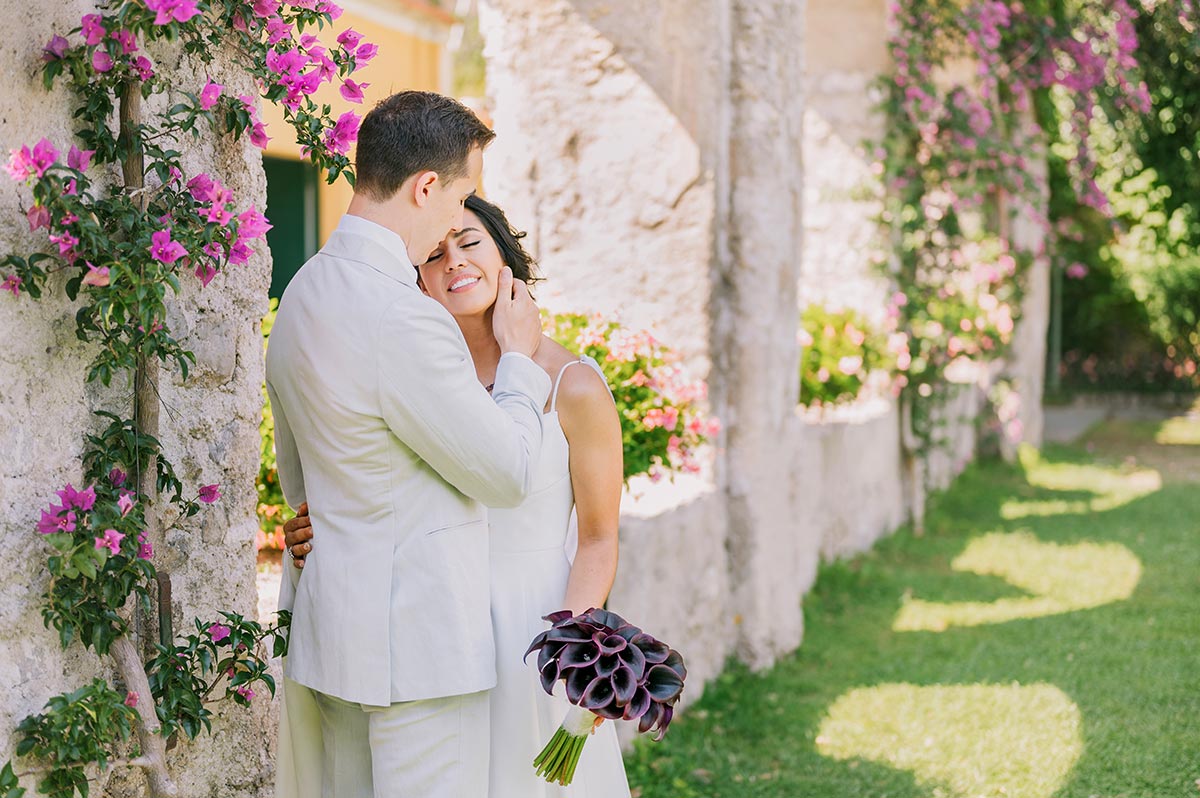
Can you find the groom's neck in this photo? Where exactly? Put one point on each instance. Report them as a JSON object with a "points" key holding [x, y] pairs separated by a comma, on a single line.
{"points": [[391, 214]]}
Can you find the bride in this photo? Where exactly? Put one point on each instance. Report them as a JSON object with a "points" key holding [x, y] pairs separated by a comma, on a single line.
{"points": [[579, 469]]}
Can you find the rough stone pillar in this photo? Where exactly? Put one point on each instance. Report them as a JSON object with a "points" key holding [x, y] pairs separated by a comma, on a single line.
{"points": [[209, 427], [1027, 357], [846, 50], [771, 565]]}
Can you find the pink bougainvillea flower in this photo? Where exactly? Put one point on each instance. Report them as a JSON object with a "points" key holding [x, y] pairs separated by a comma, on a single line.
{"points": [[111, 540], [309, 82], [201, 187], [218, 212], [66, 243], [125, 504], [18, 164], [287, 65], [169, 11], [79, 499], [327, 68], [353, 92], [143, 68], [213, 250], [218, 632], [55, 49], [117, 477], [206, 271], [131, 699], [311, 44], [343, 133], [240, 252], [79, 159], [38, 216], [364, 54], [210, 94], [145, 548], [252, 223], [91, 27], [332, 9], [163, 249], [127, 40], [1077, 271], [265, 8], [349, 38], [278, 30], [258, 135], [210, 493], [25, 163], [102, 61], [12, 283], [56, 519], [70, 188], [245, 692]]}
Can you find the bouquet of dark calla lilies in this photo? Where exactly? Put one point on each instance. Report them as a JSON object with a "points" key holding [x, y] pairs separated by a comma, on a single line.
{"points": [[611, 669]]}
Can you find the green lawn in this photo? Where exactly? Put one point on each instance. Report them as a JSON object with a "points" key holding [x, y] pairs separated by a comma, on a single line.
{"points": [[1041, 639]]}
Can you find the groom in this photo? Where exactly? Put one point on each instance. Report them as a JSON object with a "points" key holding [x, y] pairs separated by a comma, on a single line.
{"points": [[383, 428]]}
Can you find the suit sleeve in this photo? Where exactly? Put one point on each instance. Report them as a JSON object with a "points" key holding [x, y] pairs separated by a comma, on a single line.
{"points": [[287, 456], [291, 480], [483, 445]]}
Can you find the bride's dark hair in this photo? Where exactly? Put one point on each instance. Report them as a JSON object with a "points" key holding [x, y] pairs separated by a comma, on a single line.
{"points": [[507, 238]]}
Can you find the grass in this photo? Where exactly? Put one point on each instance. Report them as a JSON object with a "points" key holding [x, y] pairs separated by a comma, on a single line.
{"points": [[1041, 640]]}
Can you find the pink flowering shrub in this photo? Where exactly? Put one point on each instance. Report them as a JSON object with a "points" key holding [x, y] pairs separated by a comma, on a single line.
{"points": [[979, 88], [841, 353], [662, 422]]}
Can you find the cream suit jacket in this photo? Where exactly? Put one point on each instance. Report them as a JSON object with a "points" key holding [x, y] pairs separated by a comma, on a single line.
{"points": [[383, 428]]}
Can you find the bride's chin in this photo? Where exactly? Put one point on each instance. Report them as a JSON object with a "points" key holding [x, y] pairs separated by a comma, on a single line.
{"points": [[464, 313]]}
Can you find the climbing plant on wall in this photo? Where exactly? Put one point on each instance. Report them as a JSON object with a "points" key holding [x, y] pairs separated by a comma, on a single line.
{"points": [[125, 248], [980, 90]]}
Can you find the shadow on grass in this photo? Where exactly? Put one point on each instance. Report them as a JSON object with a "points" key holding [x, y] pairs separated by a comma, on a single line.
{"points": [[1129, 666]]}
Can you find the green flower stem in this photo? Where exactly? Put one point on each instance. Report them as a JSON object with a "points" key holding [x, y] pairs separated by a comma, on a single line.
{"points": [[560, 757]]}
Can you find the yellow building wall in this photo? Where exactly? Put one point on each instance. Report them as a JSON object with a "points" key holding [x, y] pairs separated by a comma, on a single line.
{"points": [[404, 61]]}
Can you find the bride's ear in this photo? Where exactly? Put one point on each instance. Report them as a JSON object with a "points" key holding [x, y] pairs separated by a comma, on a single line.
{"points": [[421, 285]]}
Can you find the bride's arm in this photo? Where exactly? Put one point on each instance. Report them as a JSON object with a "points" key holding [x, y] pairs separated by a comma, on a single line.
{"points": [[589, 420]]}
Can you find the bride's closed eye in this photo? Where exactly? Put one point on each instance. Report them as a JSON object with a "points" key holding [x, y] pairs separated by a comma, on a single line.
{"points": [[437, 255]]}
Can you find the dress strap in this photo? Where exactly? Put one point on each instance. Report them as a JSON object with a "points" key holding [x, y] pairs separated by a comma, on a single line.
{"points": [[558, 381], [586, 360]]}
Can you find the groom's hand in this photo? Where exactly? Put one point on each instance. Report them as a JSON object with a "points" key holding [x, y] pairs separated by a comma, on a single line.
{"points": [[296, 534], [516, 322]]}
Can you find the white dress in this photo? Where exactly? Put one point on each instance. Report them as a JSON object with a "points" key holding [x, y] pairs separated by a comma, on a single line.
{"points": [[530, 557]]}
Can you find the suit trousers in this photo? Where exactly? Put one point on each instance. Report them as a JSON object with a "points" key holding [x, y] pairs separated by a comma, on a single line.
{"points": [[433, 748]]}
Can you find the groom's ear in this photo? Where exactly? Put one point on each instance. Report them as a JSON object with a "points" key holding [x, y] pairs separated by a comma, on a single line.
{"points": [[423, 187]]}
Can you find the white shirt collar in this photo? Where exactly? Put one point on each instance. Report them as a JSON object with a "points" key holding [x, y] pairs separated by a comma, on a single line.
{"points": [[374, 244]]}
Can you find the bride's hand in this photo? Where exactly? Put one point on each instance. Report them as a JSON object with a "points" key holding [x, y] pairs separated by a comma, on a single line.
{"points": [[296, 534]]}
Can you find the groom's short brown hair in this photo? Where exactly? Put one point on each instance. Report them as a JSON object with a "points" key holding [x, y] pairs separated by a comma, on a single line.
{"points": [[412, 132]]}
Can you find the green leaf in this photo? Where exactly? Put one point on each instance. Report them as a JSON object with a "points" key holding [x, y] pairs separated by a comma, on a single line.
{"points": [[86, 565]]}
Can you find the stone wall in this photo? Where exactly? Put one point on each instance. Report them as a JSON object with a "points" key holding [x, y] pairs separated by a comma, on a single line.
{"points": [[209, 428], [657, 197]]}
